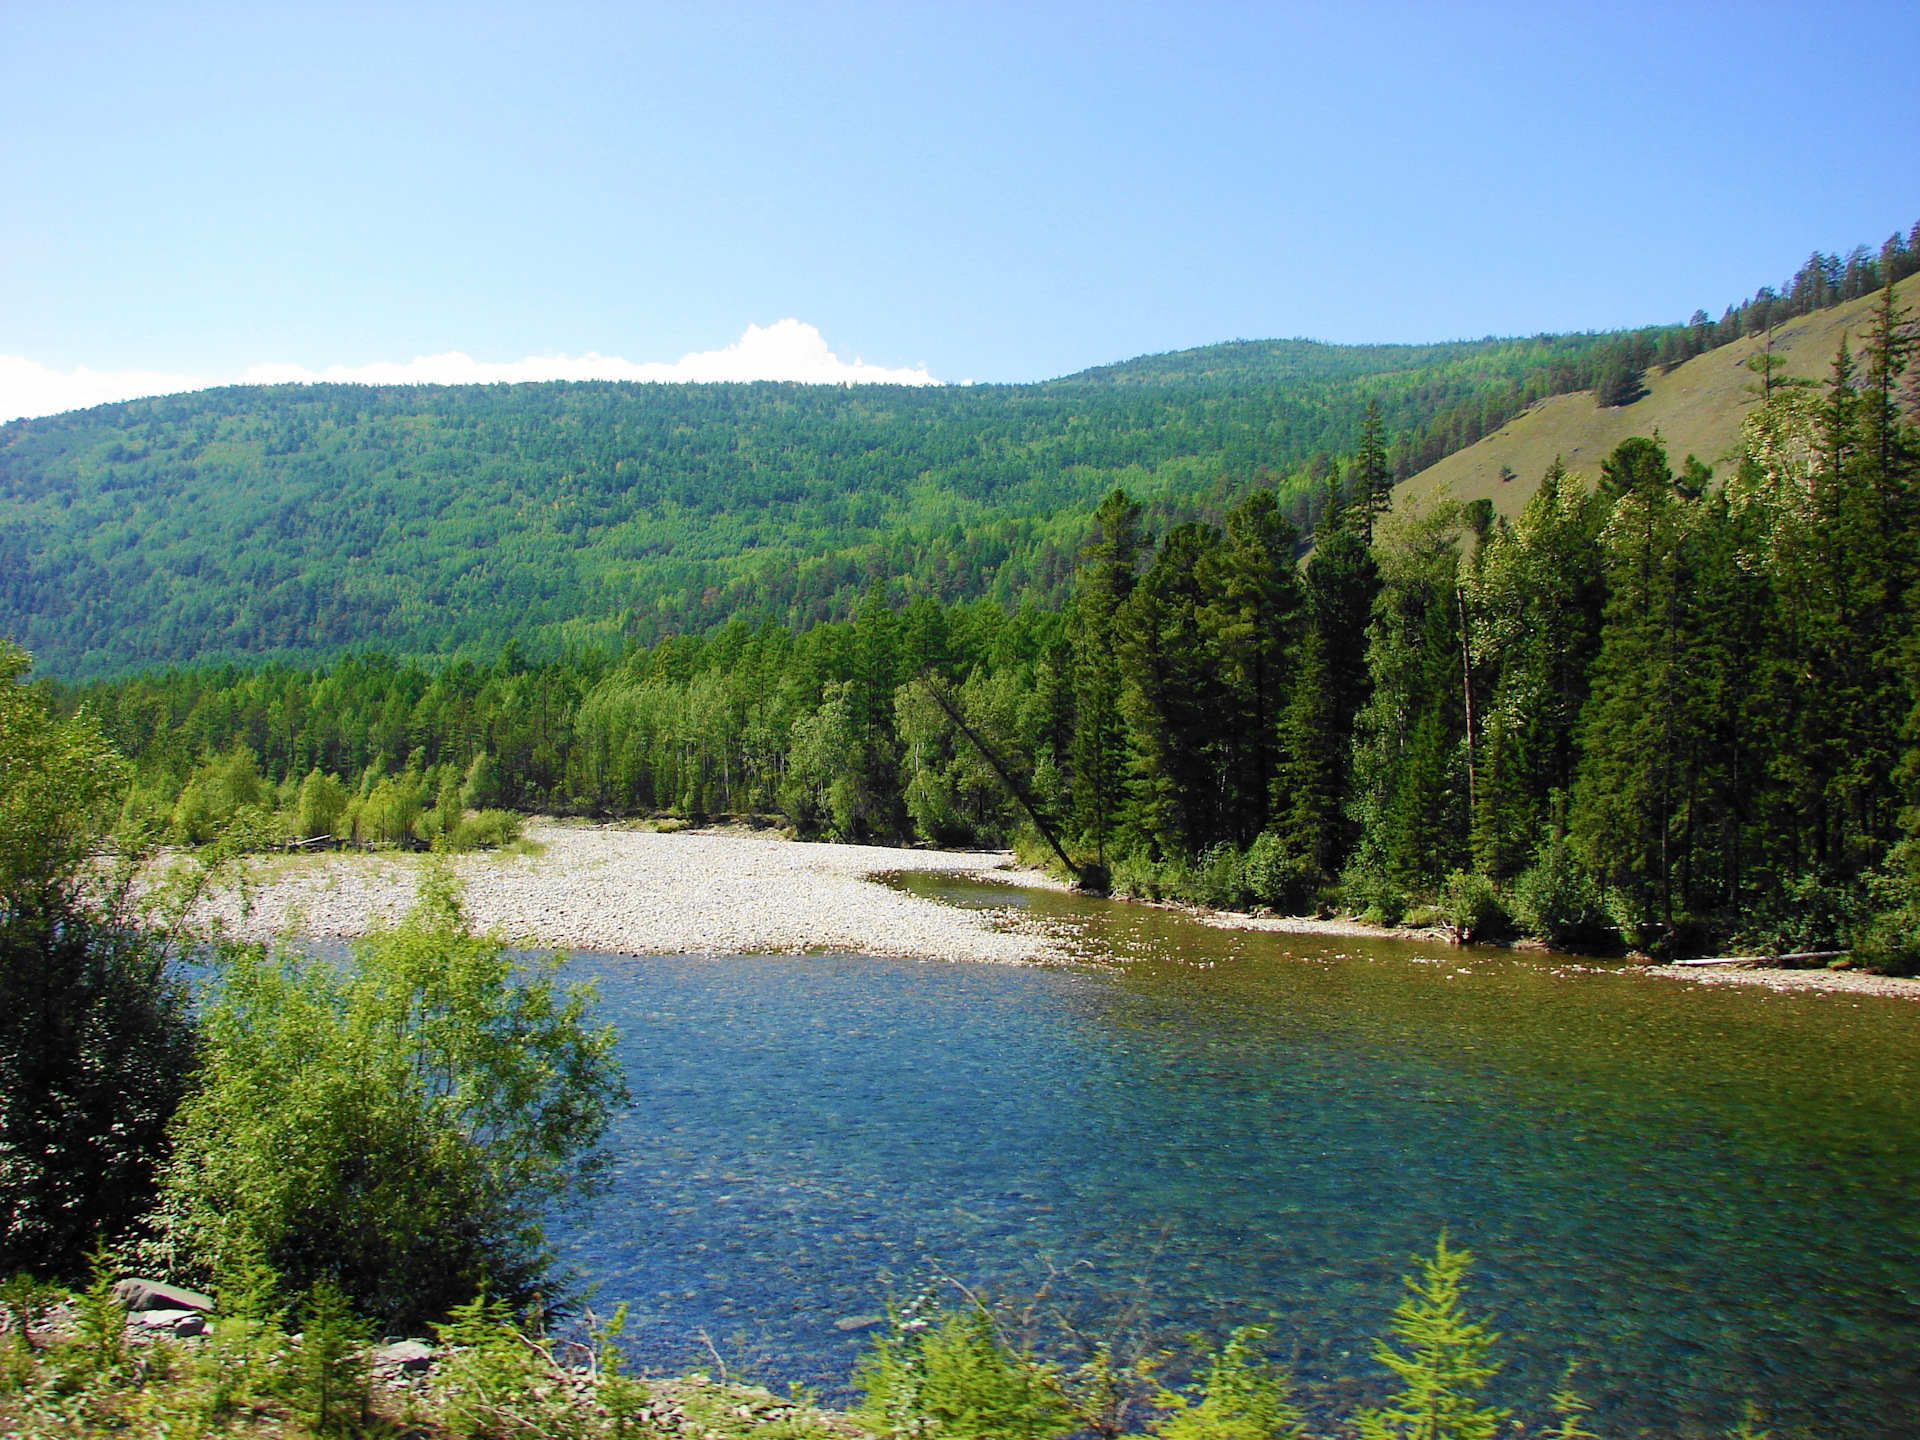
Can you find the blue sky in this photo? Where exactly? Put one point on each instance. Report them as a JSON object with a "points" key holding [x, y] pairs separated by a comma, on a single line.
{"points": [[977, 191]]}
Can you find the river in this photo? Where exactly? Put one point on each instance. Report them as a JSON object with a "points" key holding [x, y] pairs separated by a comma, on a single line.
{"points": [[1702, 1195]]}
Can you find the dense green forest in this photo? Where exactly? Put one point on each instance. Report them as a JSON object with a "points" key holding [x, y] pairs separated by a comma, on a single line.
{"points": [[1672, 706], [299, 522]]}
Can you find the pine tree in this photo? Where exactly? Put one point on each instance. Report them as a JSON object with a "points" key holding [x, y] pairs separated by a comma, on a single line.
{"points": [[1107, 575], [1316, 730], [1373, 479], [1176, 710], [1444, 1365], [1633, 798], [1254, 618]]}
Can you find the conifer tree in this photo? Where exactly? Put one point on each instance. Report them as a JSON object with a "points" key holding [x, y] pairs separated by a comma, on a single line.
{"points": [[1109, 566], [1444, 1363], [1633, 798], [1373, 479], [1254, 617], [1177, 712], [1316, 731]]}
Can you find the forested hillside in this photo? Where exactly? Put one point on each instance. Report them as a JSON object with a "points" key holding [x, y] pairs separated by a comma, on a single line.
{"points": [[298, 522], [1675, 707]]}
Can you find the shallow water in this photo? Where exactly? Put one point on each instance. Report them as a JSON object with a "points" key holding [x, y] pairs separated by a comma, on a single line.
{"points": [[1702, 1194]]}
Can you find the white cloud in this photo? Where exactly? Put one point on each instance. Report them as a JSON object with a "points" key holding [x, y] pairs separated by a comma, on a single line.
{"points": [[29, 388], [785, 350]]}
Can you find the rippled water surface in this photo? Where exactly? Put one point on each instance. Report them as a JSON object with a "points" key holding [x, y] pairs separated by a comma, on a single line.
{"points": [[1702, 1194]]}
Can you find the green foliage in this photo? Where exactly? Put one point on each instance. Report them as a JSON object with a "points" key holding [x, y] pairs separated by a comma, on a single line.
{"points": [[58, 780], [100, 1320], [395, 1126], [951, 1374], [1890, 940], [487, 830], [1444, 1364], [96, 1040], [329, 1381], [1242, 1396], [327, 517], [1557, 900], [1571, 1410], [1471, 907]]}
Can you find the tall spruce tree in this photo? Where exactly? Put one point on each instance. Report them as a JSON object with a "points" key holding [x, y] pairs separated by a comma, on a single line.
{"points": [[1254, 617], [1312, 778], [1178, 713], [1632, 801], [1108, 572]]}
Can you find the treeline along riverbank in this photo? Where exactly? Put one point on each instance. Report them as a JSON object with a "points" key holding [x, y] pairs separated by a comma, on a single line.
{"points": [[1671, 708]]}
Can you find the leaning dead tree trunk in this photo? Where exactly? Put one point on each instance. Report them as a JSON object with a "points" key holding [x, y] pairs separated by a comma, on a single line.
{"points": [[1007, 778]]}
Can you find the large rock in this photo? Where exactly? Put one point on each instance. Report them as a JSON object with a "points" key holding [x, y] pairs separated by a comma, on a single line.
{"points": [[176, 1322], [138, 1295], [408, 1355]]}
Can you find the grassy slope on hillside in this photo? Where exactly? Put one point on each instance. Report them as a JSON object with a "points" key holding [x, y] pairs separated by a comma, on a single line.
{"points": [[1697, 409]]}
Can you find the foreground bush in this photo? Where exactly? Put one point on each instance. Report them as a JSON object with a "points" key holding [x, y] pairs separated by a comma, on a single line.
{"points": [[936, 1374], [395, 1126], [96, 1042]]}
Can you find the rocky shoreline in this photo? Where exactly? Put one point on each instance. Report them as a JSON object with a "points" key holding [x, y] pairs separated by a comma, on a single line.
{"points": [[638, 892]]}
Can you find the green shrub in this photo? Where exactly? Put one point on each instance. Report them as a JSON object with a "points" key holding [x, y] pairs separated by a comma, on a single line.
{"points": [[489, 830], [391, 811], [1470, 907], [480, 786], [1277, 875], [1888, 940], [1366, 891], [1242, 1396], [1558, 900], [950, 1373], [319, 806], [1811, 912], [330, 1376], [397, 1125], [1445, 1363], [96, 1035], [216, 794], [1220, 879]]}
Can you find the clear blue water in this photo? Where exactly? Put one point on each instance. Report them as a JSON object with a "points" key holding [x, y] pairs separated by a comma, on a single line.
{"points": [[1702, 1195]]}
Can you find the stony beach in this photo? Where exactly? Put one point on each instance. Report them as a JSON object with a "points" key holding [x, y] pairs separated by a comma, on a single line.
{"points": [[641, 893], [637, 892]]}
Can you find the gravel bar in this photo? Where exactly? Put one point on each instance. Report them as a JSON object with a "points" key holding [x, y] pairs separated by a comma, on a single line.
{"points": [[636, 892]]}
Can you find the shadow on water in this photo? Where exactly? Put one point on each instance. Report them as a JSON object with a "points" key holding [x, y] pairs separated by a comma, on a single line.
{"points": [[1700, 1194]]}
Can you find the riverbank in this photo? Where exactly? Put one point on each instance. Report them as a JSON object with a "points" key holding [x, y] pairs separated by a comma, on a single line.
{"points": [[635, 892], [638, 892], [1836, 982]]}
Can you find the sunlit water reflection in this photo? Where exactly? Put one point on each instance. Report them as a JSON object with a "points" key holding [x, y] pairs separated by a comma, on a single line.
{"points": [[1700, 1194]]}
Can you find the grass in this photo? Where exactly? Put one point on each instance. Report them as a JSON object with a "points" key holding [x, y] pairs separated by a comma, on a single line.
{"points": [[1696, 409]]}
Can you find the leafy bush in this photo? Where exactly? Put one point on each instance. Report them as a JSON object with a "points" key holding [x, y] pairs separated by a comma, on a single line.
{"points": [[1470, 907], [96, 1036], [1889, 941], [319, 806], [1278, 875], [1810, 913], [216, 794], [951, 1373], [488, 830], [397, 1125], [1558, 900], [1366, 891], [1242, 1396]]}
